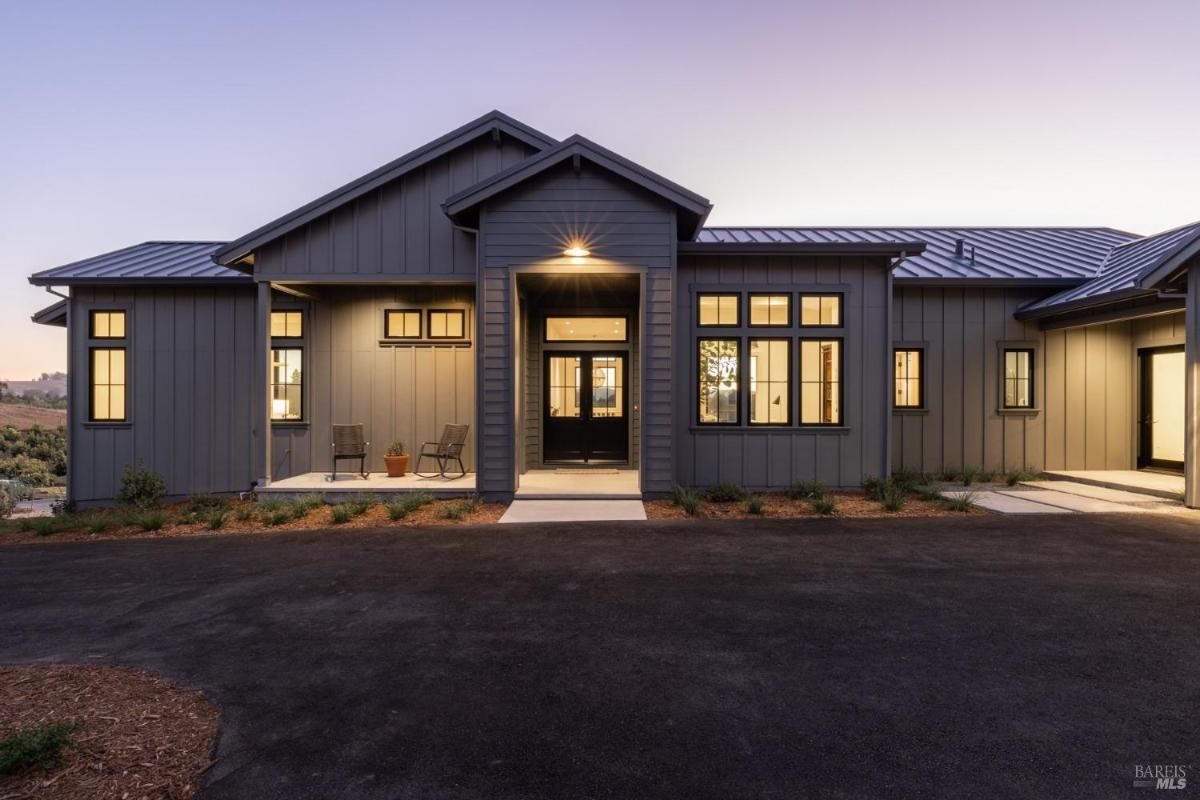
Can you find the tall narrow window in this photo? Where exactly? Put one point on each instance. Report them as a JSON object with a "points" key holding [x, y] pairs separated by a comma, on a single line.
{"points": [[719, 381], [909, 371], [717, 310], [1018, 378], [287, 383], [821, 310], [770, 399], [107, 325], [447, 324], [108, 384], [773, 310], [820, 381], [401, 324], [287, 324]]}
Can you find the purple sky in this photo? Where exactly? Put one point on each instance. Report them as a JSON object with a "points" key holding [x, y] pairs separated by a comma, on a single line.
{"points": [[131, 121]]}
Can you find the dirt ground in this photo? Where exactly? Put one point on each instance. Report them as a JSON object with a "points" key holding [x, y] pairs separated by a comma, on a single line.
{"points": [[138, 736], [849, 504]]}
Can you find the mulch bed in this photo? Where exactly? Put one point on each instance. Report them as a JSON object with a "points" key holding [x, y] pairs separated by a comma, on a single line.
{"points": [[138, 736], [376, 517], [849, 504]]}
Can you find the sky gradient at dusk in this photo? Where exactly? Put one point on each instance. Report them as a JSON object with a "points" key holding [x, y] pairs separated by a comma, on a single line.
{"points": [[132, 121]]}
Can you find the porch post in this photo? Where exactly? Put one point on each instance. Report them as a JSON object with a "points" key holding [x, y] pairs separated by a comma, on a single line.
{"points": [[1191, 453], [261, 414]]}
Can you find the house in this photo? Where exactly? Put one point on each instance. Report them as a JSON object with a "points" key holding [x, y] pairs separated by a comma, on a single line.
{"points": [[573, 308]]}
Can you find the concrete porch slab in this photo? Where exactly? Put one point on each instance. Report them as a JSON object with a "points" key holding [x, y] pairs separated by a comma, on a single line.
{"points": [[1098, 492], [1161, 484], [376, 483], [1008, 504], [573, 510]]}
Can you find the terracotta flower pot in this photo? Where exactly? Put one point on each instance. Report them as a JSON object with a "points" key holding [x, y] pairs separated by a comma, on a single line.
{"points": [[396, 465]]}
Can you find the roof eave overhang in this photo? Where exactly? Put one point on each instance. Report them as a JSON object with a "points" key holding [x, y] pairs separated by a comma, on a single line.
{"points": [[1083, 303], [54, 315], [802, 248], [50, 280], [984, 282], [1165, 272], [489, 123]]}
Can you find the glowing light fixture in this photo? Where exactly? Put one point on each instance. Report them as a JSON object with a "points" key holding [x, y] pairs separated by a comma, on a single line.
{"points": [[577, 250]]}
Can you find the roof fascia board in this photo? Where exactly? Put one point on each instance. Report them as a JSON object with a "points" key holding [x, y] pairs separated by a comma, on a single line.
{"points": [[1099, 317], [243, 246], [1185, 251], [998, 282], [1081, 303], [210, 281], [54, 314]]}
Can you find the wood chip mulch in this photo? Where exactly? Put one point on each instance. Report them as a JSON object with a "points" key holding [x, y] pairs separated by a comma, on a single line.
{"points": [[849, 504], [138, 735]]}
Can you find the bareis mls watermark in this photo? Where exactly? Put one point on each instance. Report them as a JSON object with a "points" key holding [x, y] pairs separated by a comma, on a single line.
{"points": [[1160, 776]]}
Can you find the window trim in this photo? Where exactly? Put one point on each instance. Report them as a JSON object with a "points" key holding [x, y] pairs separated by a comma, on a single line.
{"points": [[737, 340], [1015, 347], [738, 300], [841, 296], [462, 313], [546, 317], [787, 423], [303, 386], [920, 351], [791, 297], [91, 387], [420, 324], [289, 310], [841, 382], [92, 312]]}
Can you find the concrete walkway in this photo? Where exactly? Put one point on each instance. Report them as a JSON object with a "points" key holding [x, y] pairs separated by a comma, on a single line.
{"points": [[574, 511], [1162, 484], [1068, 497]]}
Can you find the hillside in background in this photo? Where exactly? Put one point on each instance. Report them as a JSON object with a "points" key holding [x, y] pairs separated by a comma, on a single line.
{"points": [[49, 384], [25, 417]]}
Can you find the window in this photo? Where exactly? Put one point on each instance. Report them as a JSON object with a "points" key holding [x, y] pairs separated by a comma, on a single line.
{"points": [[1018, 378], [447, 324], [818, 310], [719, 381], [108, 384], [585, 329], [108, 324], [820, 381], [287, 383], [562, 386], [401, 324], [608, 377], [909, 367], [717, 310], [770, 400], [773, 310], [287, 324]]}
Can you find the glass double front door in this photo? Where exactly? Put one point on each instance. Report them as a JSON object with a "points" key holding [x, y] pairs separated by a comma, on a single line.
{"points": [[1161, 410], [585, 408]]}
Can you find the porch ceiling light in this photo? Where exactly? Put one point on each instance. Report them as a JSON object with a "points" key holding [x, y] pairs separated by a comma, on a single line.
{"points": [[577, 250]]}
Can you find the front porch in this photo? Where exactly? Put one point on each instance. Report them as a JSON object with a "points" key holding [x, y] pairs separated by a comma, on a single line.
{"points": [[376, 483]]}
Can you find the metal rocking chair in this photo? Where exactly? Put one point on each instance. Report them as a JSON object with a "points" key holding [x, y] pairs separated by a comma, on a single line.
{"points": [[349, 444], [448, 448]]}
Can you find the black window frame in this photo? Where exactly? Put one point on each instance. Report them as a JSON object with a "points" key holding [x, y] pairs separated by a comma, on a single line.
{"points": [[462, 313], [387, 312], [289, 343], [841, 298], [92, 312], [92, 384], [1004, 379], [737, 422], [787, 423], [920, 379], [841, 380], [297, 311], [791, 298], [737, 296]]}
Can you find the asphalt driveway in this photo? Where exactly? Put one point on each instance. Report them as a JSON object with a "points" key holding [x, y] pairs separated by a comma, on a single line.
{"points": [[1039, 657]]}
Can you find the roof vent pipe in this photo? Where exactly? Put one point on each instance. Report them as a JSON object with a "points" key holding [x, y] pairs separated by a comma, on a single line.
{"points": [[972, 254], [958, 248]]}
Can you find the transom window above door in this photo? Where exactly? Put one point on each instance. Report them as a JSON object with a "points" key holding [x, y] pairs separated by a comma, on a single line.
{"points": [[586, 329]]}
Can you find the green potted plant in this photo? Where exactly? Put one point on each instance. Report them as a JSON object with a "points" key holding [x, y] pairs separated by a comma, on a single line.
{"points": [[396, 460]]}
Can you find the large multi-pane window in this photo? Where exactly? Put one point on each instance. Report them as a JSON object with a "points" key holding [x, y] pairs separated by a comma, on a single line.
{"points": [[719, 382], [1018, 378], [770, 398], [287, 383], [909, 378], [773, 310], [820, 310], [820, 381], [108, 384], [717, 310]]}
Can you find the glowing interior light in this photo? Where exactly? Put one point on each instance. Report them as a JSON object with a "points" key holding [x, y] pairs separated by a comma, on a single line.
{"points": [[577, 251]]}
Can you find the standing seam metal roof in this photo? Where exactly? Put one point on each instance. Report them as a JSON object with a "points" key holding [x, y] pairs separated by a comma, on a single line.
{"points": [[999, 253], [146, 262]]}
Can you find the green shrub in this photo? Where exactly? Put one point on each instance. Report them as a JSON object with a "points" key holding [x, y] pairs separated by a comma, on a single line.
{"points": [[932, 494], [825, 505], [216, 519], [307, 502], [26, 469], [45, 445], [872, 486], [280, 516], [151, 520], [986, 475], [754, 506], [8, 500], [198, 507], [341, 513], [961, 501], [908, 480], [806, 490], [141, 487], [970, 475], [686, 499], [35, 748], [361, 504], [950, 475], [457, 509], [891, 496], [47, 526], [401, 508], [726, 493], [101, 522], [244, 512], [396, 448], [270, 504], [1015, 476]]}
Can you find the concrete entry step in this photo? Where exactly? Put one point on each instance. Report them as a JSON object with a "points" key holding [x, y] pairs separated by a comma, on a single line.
{"points": [[1158, 484], [573, 510], [1098, 492]]}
